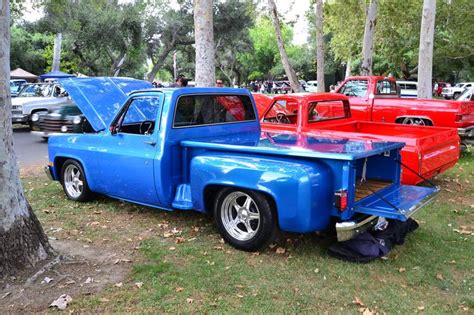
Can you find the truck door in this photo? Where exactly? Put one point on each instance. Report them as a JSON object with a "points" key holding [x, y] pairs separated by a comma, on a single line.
{"points": [[128, 151], [357, 91]]}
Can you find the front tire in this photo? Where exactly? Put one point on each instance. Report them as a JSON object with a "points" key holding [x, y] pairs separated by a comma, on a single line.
{"points": [[73, 180], [246, 219]]}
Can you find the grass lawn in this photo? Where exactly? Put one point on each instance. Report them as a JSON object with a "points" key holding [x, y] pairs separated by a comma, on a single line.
{"points": [[180, 264]]}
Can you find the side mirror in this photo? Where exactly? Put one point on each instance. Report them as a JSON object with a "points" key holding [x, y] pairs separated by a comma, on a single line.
{"points": [[113, 129]]}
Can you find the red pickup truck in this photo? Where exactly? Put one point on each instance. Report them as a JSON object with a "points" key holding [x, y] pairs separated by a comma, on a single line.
{"points": [[428, 150], [377, 98]]}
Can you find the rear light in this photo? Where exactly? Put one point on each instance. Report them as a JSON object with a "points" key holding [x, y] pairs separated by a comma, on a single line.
{"points": [[341, 200], [458, 117]]}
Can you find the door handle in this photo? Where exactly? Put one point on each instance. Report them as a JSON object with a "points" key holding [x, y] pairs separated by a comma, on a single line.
{"points": [[151, 142]]}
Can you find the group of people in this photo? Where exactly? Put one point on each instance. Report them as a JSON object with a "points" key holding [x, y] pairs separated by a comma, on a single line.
{"points": [[181, 81]]}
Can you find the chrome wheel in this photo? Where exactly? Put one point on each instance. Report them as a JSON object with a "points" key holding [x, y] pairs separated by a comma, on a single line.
{"points": [[413, 121], [73, 181], [240, 216]]}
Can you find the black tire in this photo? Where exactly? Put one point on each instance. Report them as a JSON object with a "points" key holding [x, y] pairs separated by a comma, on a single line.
{"points": [[266, 226], [74, 181], [456, 95]]}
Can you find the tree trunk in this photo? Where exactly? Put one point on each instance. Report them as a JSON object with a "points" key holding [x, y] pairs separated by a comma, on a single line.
{"points": [[290, 73], [348, 69], [57, 52], [320, 45], [368, 44], [425, 55], [204, 38], [118, 65], [22, 240]]}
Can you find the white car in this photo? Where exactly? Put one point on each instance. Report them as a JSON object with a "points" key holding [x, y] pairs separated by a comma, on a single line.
{"points": [[311, 86], [408, 89], [467, 95], [34, 98], [455, 91]]}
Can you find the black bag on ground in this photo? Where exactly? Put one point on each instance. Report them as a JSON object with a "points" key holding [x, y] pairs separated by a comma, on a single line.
{"points": [[371, 245]]}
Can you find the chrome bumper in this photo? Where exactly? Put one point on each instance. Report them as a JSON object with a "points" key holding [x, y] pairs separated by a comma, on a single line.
{"points": [[348, 230], [467, 132], [47, 170], [19, 118], [45, 134]]}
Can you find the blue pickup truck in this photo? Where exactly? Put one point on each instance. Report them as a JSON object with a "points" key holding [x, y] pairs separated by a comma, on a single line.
{"points": [[202, 149]]}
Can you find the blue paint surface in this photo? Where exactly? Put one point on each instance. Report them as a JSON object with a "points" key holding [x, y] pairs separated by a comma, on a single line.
{"points": [[172, 168]]}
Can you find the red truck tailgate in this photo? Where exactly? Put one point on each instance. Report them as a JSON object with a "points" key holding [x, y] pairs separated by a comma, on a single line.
{"points": [[428, 150]]}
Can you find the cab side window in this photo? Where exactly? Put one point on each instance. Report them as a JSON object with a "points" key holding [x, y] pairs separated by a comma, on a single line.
{"points": [[140, 117]]}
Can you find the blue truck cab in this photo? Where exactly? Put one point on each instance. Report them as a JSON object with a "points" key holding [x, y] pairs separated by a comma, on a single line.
{"points": [[202, 149]]}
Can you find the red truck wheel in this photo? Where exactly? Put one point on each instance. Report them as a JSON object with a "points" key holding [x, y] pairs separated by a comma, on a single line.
{"points": [[245, 218]]}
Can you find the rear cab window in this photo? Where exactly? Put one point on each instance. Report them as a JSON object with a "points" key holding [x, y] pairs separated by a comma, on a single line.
{"points": [[357, 88], [199, 110], [328, 110]]}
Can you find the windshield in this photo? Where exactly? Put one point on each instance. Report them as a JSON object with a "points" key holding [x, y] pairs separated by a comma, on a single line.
{"points": [[36, 90], [459, 85]]}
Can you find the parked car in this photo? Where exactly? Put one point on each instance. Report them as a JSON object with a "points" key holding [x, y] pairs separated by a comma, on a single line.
{"points": [[408, 89], [455, 91], [439, 86], [15, 86], [377, 98], [428, 151], [282, 87], [66, 118], [202, 149], [467, 95], [311, 86], [35, 98]]}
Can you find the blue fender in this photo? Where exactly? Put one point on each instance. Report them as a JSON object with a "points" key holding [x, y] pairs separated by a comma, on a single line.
{"points": [[301, 189]]}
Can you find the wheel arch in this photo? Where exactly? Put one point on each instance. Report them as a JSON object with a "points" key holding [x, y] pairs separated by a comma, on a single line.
{"points": [[59, 163]]}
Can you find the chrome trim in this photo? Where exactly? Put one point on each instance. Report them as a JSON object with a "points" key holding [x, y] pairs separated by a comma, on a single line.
{"points": [[348, 230]]}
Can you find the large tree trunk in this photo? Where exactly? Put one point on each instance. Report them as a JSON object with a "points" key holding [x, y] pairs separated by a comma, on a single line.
{"points": [[348, 69], [368, 44], [22, 240], [425, 55], [204, 37], [290, 73], [57, 52], [320, 45]]}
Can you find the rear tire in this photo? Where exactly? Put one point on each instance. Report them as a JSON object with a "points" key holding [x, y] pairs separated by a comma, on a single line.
{"points": [[246, 219], [456, 95], [74, 182]]}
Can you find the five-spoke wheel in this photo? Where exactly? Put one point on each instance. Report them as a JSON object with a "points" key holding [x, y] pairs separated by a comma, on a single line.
{"points": [[245, 218], [74, 181]]}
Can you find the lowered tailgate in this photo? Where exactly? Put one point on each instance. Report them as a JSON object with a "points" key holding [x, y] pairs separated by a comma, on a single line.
{"points": [[396, 202]]}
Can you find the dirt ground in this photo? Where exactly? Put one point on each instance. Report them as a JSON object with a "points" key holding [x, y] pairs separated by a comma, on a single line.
{"points": [[83, 269]]}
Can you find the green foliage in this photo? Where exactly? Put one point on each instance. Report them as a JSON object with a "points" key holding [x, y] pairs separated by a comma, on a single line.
{"points": [[101, 34], [28, 49], [397, 36]]}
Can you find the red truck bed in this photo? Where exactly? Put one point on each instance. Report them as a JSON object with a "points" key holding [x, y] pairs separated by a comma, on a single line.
{"points": [[428, 151]]}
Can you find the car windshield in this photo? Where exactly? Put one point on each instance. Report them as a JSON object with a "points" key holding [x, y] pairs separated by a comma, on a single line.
{"points": [[459, 85], [36, 90]]}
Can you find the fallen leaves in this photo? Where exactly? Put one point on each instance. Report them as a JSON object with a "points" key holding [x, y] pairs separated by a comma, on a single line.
{"points": [[280, 250], [139, 285], [89, 280], [439, 276], [401, 269], [61, 302], [358, 301], [189, 300], [122, 260], [179, 289], [47, 280]]}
